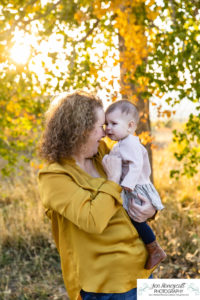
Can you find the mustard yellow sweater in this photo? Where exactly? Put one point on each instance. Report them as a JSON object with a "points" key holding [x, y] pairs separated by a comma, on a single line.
{"points": [[100, 249]]}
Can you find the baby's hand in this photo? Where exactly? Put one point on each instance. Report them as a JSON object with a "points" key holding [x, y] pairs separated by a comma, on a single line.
{"points": [[112, 165], [114, 152]]}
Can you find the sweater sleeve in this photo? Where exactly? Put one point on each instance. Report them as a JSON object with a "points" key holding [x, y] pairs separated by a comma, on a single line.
{"points": [[131, 152], [88, 209]]}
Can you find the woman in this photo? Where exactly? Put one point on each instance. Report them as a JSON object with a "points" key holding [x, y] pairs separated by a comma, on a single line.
{"points": [[101, 253]]}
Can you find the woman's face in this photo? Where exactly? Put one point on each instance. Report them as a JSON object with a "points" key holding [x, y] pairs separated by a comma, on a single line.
{"points": [[91, 146]]}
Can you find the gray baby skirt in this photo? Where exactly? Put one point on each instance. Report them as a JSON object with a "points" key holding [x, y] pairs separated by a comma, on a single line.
{"points": [[147, 190]]}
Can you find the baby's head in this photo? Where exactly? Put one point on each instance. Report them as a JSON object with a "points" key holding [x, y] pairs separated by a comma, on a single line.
{"points": [[121, 119]]}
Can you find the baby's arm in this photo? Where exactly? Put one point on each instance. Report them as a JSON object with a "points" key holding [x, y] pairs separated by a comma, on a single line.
{"points": [[132, 153], [113, 167]]}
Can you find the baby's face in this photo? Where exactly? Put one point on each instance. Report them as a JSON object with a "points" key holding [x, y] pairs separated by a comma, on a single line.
{"points": [[117, 125]]}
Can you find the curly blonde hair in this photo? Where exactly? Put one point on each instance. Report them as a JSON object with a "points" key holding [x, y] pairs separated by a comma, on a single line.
{"points": [[68, 124]]}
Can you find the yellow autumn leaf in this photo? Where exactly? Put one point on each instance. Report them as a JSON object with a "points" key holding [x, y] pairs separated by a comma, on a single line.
{"points": [[145, 137], [79, 16]]}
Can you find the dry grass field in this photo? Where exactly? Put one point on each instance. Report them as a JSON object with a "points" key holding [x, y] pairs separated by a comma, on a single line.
{"points": [[178, 225], [29, 263]]}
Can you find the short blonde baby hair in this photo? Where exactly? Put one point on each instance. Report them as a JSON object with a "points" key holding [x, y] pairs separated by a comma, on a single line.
{"points": [[126, 107]]}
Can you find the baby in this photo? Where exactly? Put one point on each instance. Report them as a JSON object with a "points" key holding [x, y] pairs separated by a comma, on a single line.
{"points": [[121, 122]]}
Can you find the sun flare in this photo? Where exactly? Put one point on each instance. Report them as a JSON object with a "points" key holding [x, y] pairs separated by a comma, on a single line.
{"points": [[20, 53]]}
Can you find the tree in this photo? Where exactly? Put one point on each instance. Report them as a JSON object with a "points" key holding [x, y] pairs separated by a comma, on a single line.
{"points": [[177, 55], [153, 57]]}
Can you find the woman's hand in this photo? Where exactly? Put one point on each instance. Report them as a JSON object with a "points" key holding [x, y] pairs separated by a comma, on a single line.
{"points": [[140, 213], [112, 165]]}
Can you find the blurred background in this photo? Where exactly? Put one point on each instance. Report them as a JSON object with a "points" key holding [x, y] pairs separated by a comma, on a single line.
{"points": [[146, 51]]}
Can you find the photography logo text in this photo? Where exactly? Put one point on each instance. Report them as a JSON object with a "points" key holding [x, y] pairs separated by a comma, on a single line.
{"points": [[168, 288]]}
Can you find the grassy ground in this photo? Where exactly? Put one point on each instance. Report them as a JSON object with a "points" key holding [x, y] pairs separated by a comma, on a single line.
{"points": [[29, 263], [178, 225]]}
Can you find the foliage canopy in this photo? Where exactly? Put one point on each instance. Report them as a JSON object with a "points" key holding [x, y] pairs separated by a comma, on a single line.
{"points": [[150, 48]]}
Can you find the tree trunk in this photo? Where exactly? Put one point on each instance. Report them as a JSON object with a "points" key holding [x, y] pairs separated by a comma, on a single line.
{"points": [[142, 104], [145, 126]]}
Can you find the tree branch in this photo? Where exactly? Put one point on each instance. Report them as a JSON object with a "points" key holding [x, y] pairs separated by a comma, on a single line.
{"points": [[23, 12], [173, 12], [42, 15], [89, 32]]}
